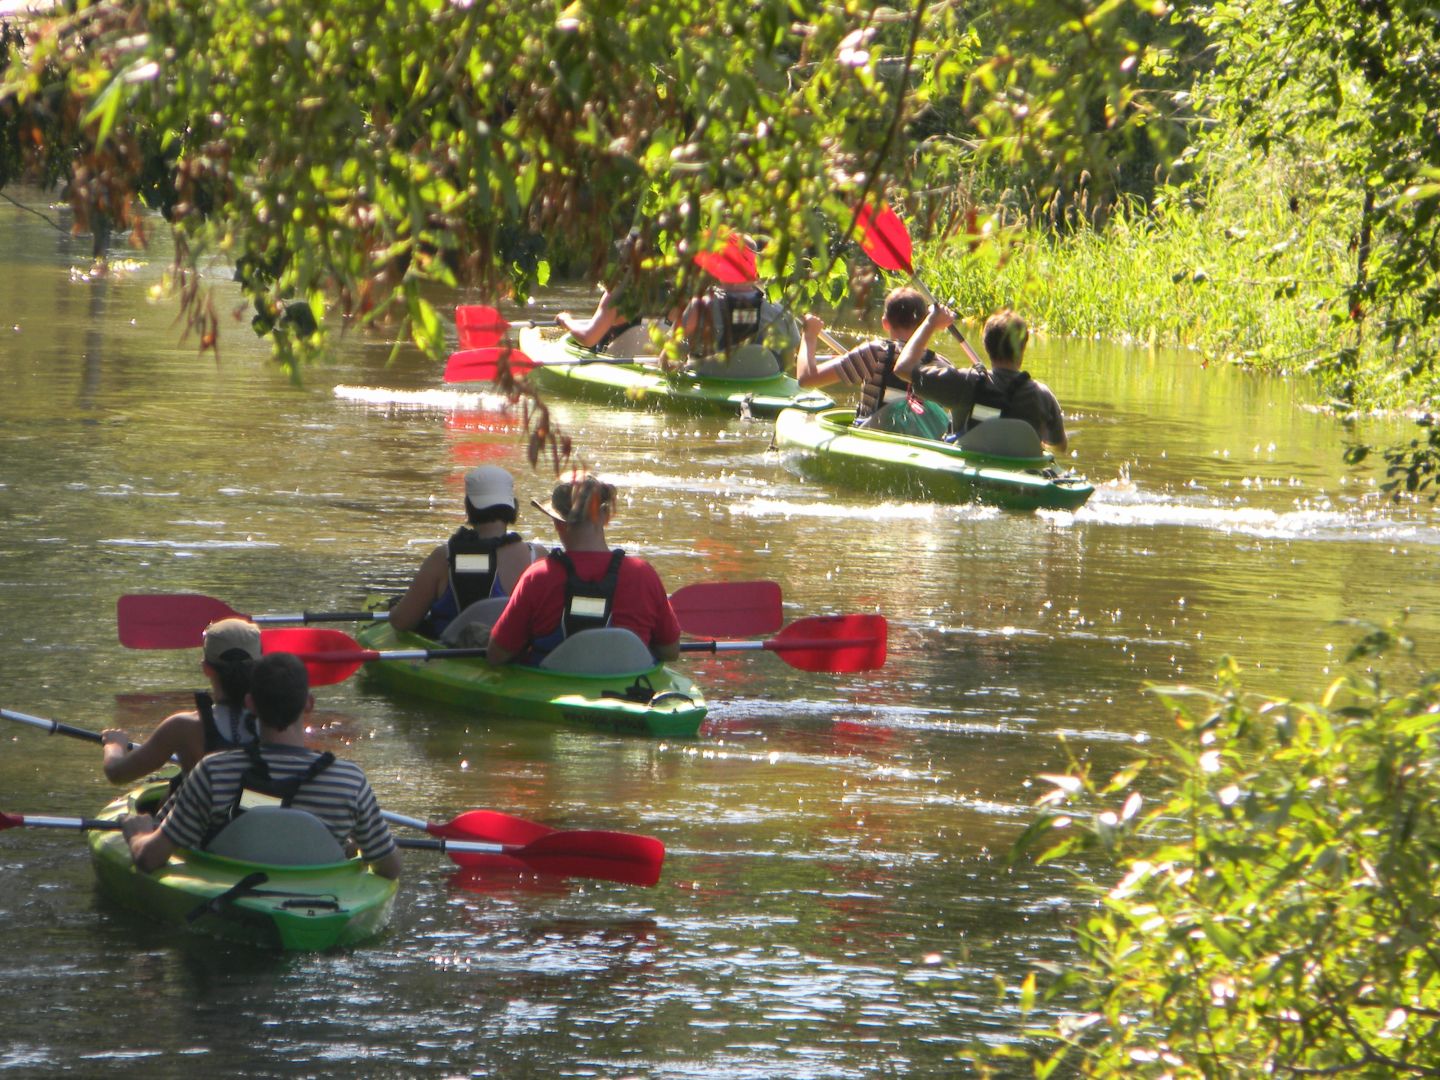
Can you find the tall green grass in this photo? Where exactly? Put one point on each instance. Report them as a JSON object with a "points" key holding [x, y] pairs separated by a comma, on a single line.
{"points": [[1239, 270]]}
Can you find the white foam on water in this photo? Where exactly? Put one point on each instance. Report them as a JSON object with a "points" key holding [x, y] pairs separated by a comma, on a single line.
{"points": [[1321, 521], [443, 400]]}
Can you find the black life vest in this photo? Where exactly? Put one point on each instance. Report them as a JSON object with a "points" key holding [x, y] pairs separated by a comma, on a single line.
{"points": [[474, 568], [872, 392], [731, 319], [243, 730], [588, 604], [613, 334], [993, 397], [258, 789]]}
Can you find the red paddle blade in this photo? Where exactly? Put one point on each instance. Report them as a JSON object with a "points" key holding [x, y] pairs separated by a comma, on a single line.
{"points": [[311, 644], [884, 237], [479, 327], [11, 821], [733, 263], [485, 365], [610, 856], [859, 643], [176, 621], [489, 827], [733, 609]]}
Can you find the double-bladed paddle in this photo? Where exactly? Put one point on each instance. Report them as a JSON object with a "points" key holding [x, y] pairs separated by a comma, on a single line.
{"points": [[480, 327], [624, 857], [477, 838], [834, 643], [885, 239], [731, 263], [178, 620], [530, 847], [485, 364]]}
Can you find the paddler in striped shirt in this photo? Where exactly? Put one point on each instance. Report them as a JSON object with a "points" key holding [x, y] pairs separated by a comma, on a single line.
{"points": [[886, 403], [278, 770]]}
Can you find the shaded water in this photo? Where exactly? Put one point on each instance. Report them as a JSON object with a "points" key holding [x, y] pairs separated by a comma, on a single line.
{"points": [[835, 901]]}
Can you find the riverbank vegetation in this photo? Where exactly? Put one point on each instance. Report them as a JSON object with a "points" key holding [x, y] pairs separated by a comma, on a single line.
{"points": [[1269, 906], [1259, 181]]}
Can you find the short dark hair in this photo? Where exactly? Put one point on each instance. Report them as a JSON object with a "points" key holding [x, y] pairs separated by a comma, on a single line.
{"points": [[486, 514], [1005, 336], [905, 308], [280, 688]]}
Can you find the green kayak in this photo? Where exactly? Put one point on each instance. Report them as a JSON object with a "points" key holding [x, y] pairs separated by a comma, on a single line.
{"points": [[574, 371], [281, 907], [654, 701], [827, 446]]}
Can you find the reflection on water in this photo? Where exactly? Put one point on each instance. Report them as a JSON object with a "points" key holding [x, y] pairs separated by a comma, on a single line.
{"points": [[835, 900]]}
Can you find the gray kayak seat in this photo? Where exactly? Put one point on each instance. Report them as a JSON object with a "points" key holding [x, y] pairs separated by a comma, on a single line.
{"points": [[610, 650], [743, 362], [280, 836], [1002, 437], [634, 342], [484, 612]]}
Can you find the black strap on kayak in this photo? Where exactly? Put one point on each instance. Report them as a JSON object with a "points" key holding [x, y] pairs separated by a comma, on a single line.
{"points": [[641, 690], [222, 904], [217, 904]]}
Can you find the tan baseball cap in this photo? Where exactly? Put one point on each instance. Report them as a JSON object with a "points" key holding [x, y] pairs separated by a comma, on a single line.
{"points": [[229, 636]]}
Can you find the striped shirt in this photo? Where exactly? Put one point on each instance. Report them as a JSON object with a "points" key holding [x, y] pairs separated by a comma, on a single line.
{"points": [[340, 797]]}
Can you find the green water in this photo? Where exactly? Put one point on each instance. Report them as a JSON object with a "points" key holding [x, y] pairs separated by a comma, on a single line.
{"points": [[835, 902]]}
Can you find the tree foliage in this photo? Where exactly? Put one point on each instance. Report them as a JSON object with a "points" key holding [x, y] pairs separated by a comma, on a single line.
{"points": [[353, 153], [1273, 910]]}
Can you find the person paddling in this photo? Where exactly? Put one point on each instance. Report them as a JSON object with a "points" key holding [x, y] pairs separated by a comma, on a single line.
{"points": [[584, 586], [483, 559], [975, 394], [220, 721], [277, 769], [886, 403], [731, 329]]}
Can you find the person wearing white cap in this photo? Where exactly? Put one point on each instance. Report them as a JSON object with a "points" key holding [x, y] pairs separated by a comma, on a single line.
{"points": [[229, 649], [484, 558]]}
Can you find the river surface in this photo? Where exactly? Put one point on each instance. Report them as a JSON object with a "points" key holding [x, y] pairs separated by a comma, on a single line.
{"points": [[836, 900]]}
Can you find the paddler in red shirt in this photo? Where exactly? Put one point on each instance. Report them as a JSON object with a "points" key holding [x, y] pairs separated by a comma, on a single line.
{"points": [[584, 586]]}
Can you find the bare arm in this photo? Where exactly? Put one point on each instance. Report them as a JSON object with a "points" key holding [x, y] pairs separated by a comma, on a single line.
{"points": [[429, 583], [807, 372], [914, 351], [589, 331], [176, 737], [150, 848], [389, 866]]}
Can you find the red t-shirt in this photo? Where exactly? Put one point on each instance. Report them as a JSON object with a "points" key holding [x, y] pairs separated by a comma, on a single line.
{"points": [[538, 602]]}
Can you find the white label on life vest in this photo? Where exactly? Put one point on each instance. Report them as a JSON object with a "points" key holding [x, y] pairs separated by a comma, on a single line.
{"points": [[745, 316], [591, 607], [470, 564], [983, 412], [249, 800]]}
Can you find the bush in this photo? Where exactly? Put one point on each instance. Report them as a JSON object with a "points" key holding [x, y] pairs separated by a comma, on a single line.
{"points": [[1273, 908]]}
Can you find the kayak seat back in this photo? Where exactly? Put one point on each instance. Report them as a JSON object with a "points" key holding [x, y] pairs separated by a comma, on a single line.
{"points": [[610, 650], [482, 612], [631, 343], [279, 836], [1002, 437], [742, 362]]}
